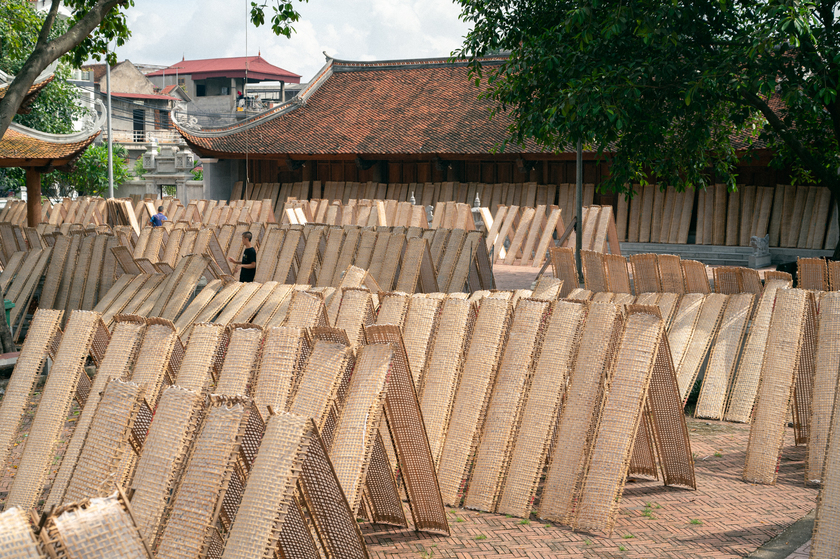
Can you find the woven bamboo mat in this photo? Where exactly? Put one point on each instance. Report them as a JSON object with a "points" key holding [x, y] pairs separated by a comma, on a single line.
{"points": [[26, 269], [31, 360], [805, 370], [125, 297], [610, 455], [827, 366], [357, 428], [125, 342], [355, 313], [696, 280], [579, 295], [668, 304], [77, 287], [270, 306], [22, 303], [618, 280], [106, 441], [214, 307], [745, 386], [14, 263], [724, 356], [149, 290], [643, 455], [381, 501], [160, 343], [504, 412], [164, 452], [392, 308], [99, 528], [704, 332], [594, 271], [411, 444], [334, 521], [195, 373], [645, 273], [268, 255], [68, 273], [329, 258], [670, 272], [684, 323], [450, 258], [52, 413], [49, 291], [388, 270], [141, 243], [306, 310], [249, 310], [241, 360], [365, 250], [90, 295], [108, 299], [420, 325], [479, 371], [310, 259], [563, 265], [197, 304], [285, 351], [17, 541], [784, 341], [775, 275], [207, 474], [293, 246], [812, 273], [445, 363], [826, 536], [179, 295], [347, 254], [551, 374], [727, 280], [833, 275], [237, 303], [547, 288], [579, 414], [320, 381], [270, 491]]}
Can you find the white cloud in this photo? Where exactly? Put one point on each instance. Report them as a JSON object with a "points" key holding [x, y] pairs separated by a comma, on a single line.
{"points": [[163, 31]]}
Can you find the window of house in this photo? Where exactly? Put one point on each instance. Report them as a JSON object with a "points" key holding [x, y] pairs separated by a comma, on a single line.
{"points": [[200, 90]]}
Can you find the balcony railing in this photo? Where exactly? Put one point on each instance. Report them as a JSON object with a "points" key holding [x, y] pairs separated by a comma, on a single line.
{"points": [[144, 137]]}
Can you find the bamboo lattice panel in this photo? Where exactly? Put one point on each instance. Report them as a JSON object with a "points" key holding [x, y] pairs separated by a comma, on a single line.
{"points": [[670, 271], [33, 354], [196, 368], [420, 324], [812, 273], [156, 354], [467, 416], [241, 359], [52, 412], [727, 280], [270, 491], [321, 381], [563, 265], [579, 414], [164, 453], [272, 305], [106, 441], [187, 534], [784, 341], [745, 386], [827, 367], [17, 541], [357, 428], [98, 529], [504, 412], [803, 390], [548, 288], [645, 273], [117, 364], [704, 332], [284, 353], [622, 409], [306, 310], [724, 356], [825, 542], [685, 321], [446, 360], [405, 423], [249, 310], [594, 271], [696, 279], [618, 280], [392, 308], [355, 313], [551, 373]]}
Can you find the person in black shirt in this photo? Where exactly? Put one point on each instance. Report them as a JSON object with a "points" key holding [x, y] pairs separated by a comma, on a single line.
{"points": [[249, 259]]}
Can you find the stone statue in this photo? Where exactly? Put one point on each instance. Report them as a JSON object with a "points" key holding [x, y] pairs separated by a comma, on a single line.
{"points": [[760, 245]]}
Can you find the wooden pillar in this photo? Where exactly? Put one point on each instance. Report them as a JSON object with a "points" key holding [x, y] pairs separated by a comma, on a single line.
{"points": [[33, 197]]}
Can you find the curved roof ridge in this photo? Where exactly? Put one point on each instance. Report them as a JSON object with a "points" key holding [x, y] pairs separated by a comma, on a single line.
{"points": [[93, 126]]}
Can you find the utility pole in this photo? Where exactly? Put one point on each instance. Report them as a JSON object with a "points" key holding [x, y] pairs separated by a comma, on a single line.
{"points": [[110, 135], [579, 207]]}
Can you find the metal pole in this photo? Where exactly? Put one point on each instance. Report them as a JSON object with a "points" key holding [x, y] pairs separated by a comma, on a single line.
{"points": [[110, 138], [579, 206]]}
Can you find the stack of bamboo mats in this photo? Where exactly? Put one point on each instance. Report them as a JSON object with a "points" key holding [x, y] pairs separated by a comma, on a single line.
{"points": [[793, 216], [484, 372]]}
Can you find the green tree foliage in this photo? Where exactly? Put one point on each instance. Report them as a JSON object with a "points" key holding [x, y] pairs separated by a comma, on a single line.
{"points": [[667, 90], [88, 175]]}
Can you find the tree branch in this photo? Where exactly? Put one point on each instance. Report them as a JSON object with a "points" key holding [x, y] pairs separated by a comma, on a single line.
{"points": [[45, 53], [44, 35], [790, 139]]}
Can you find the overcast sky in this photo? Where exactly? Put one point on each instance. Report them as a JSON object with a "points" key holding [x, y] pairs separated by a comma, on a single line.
{"points": [[164, 31]]}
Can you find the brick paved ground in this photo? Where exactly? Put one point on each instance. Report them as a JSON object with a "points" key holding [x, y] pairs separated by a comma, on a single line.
{"points": [[731, 518]]}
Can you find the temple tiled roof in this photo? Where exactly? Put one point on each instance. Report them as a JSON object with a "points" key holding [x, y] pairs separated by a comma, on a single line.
{"points": [[372, 108], [24, 147], [258, 68], [31, 95]]}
